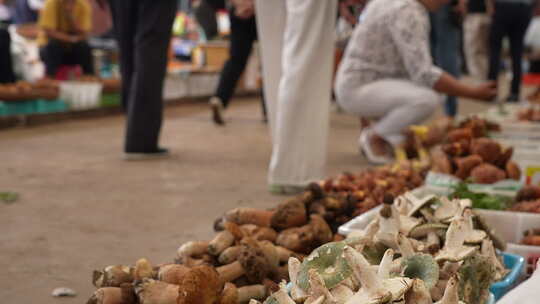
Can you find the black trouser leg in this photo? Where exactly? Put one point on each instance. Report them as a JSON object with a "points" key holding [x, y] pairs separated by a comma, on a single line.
{"points": [[81, 54], [125, 36], [6, 62], [152, 34], [243, 34], [498, 31], [516, 34], [53, 55]]}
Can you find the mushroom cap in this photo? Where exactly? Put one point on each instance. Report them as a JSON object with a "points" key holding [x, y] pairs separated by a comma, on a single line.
{"points": [[143, 269], [475, 236], [421, 266], [408, 223], [447, 209], [112, 276], [201, 285], [254, 262], [417, 203], [329, 263], [423, 230], [397, 286], [475, 277]]}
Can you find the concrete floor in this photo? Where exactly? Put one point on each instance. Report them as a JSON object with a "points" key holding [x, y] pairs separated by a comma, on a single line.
{"points": [[82, 207]]}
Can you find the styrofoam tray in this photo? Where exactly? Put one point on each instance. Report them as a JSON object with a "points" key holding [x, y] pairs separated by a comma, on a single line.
{"points": [[81, 95], [510, 125]]}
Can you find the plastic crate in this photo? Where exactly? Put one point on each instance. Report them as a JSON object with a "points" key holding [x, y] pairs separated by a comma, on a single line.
{"points": [[81, 95], [50, 106], [515, 263], [17, 108], [110, 100]]}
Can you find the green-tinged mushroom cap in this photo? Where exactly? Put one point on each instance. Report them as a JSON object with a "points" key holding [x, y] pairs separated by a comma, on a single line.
{"points": [[475, 277], [329, 263], [374, 252], [421, 266]]}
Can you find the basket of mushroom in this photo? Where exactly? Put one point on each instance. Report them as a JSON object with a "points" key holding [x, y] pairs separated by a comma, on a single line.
{"points": [[412, 251]]}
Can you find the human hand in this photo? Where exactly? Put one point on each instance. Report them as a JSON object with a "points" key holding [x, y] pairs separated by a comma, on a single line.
{"points": [[486, 91]]}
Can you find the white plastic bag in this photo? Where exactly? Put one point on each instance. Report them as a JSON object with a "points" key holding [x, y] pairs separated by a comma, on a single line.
{"points": [[532, 38]]}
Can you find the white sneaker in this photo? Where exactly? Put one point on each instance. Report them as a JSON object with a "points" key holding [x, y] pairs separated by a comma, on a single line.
{"points": [[364, 145], [217, 110]]}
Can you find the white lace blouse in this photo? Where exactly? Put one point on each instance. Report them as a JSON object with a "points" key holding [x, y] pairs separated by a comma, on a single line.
{"points": [[392, 42]]}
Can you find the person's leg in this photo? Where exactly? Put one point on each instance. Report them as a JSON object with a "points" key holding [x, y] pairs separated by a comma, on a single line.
{"points": [[497, 33], [447, 50], [52, 55], [241, 42], [516, 34], [125, 25], [475, 32], [6, 63], [145, 105], [302, 117], [270, 27], [81, 54]]}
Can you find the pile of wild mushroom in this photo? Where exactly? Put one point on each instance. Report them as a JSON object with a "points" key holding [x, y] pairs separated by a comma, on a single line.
{"points": [[531, 113], [527, 200], [479, 159], [415, 251], [252, 247]]}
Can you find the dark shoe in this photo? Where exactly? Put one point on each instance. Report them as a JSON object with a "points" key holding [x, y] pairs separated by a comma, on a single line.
{"points": [[217, 111], [513, 98], [159, 153]]}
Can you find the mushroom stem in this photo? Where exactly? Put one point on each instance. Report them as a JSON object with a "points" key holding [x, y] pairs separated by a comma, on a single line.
{"points": [[284, 254], [282, 297], [222, 241], [389, 226], [405, 246], [433, 242], [192, 249], [156, 292], [172, 273], [247, 293], [230, 272], [229, 255], [362, 270], [297, 293], [386, 264], [318, 288], [242, 216], [451, 292]]}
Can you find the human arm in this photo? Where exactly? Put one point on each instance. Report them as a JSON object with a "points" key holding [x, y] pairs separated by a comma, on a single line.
{"points": [[449, 85], [410, 32]]}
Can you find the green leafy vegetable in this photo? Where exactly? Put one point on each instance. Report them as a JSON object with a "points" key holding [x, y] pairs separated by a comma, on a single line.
{"points": [[481, 200]]}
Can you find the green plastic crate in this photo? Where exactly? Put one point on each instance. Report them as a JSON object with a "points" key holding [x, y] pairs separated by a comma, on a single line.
{"points": [[18, 108], [50, 106], [110, 100]]}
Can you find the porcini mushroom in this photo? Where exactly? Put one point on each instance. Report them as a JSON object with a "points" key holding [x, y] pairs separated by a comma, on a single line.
{"points": [[201, 285], [191, 250], [143, 269], [172, 273], [112, 276], [242, 216], [221, 241], [251, 262], [151, 291]]}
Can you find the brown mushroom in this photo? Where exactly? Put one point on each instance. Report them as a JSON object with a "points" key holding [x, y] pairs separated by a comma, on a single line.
{"points": [[143, 269], [441, 162], [242, 216], [259, 233], [191, 251], [172, 273], [513, 171], [221, 241], [460, 134], [229, 255], [504, 158], [289, 214], [151, 291], [201, 285], [466, 164], [113, 295], [112, 276], [251, 262], [487, 148], [487, 174], [308, 237]]}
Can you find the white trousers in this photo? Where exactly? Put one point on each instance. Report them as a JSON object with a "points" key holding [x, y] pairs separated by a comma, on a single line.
{"points": [[476, 46], [297, 46], [396, 103]]}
